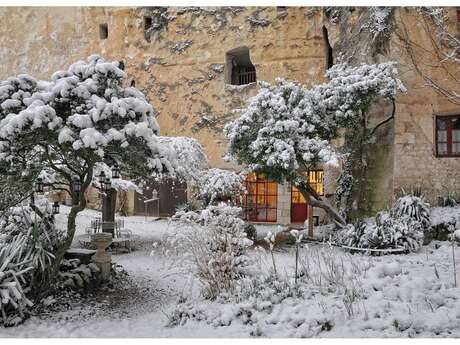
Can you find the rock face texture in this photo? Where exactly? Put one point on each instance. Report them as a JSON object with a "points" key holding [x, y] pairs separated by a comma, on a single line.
{"points": [[182, 58], [176, 56]]}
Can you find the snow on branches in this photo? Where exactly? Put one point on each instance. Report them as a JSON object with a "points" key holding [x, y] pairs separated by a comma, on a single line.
{"points": [[76, 119], [212, 244], [286, 127], [190, 156], [219, 184], [70, 128]]}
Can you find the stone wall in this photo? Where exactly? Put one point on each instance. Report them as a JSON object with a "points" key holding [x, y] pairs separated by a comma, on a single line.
{"points": [[180, 65], [415, 162]]}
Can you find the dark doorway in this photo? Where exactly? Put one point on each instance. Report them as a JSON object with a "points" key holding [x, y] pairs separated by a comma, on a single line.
{"points": [[171, 193], [328, 49]]}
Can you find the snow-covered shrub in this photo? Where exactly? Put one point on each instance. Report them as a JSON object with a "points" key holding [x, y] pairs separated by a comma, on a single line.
{"points": [[450, 199], [220, 185], [404, 226], [15, 267], [390, 232], [213, 243], [27, 242], [42, 236], [384, 232], [412, 207]]}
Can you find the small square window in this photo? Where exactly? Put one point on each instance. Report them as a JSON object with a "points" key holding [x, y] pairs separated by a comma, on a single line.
{"points": [[103, 31]]}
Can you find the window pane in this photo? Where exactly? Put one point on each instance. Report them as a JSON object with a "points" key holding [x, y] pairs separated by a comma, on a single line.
{"points": [[272, 188], [442, 148], [294, 197], [271, 215], [271, 201], [261, 188], [441, 124], [442, 136], [456, 124], [456, 135], [261, 199], [262, 214], [456, 148]]}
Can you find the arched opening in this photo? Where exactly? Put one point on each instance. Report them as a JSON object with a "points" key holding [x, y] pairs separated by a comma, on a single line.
{"points": [[328, 50], [239, 68]]}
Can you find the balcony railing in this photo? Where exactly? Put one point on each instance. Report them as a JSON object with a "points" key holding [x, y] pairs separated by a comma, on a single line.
{"points": [[246, 77]]}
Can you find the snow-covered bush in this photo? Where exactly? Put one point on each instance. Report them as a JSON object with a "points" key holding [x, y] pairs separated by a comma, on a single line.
{"points": [[220, 185], [450, 199], [384, 232], [15, 267], [213, 243], [27, 243], [412, 207], [404, 226]]}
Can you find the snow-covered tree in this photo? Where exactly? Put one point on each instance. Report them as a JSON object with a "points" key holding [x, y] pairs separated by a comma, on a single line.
{"points": [[190, 156], [64, 128], [220, 185], [287, 129]]}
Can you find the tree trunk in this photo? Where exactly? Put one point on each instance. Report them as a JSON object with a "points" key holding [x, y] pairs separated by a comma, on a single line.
{"points": [[315, 200], [80, 202]]}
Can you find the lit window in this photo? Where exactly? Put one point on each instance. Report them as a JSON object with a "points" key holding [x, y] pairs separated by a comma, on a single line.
{"points": [[315, 180], [448, 136], [260, 202]]}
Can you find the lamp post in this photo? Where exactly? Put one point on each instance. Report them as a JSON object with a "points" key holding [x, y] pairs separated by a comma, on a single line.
{"points": [[108, 201]]}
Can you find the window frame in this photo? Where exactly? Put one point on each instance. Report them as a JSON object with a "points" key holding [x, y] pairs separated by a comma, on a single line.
{"points": [[449, 140], [261, 187]]}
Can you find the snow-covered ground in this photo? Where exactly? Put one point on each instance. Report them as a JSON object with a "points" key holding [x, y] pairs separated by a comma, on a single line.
{"points": [[338, 295]]}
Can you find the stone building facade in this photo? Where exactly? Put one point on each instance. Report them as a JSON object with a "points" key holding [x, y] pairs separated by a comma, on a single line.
{"points": [[188, 60]]}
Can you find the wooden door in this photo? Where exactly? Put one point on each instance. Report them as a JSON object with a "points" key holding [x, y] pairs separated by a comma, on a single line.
{"points": [[171, 194], [299, 207]]}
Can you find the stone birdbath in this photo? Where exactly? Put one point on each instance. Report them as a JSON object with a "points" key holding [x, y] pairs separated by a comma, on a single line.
{"points": [[103, 260]]}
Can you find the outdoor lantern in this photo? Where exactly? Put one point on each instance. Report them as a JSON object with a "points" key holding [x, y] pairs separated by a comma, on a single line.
{"points": [[107, 183], [101, 178], [154, 194], [55, 207], [116, 171], [77, 186], [39, 185]]}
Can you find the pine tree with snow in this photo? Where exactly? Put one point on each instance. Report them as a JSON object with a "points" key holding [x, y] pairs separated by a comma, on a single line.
{"points": [[287, 129]]}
